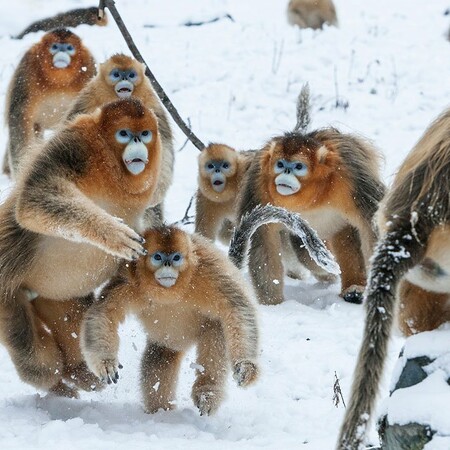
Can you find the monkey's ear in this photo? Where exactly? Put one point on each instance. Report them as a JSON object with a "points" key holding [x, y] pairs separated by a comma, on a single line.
{"points": [[322, 154]]}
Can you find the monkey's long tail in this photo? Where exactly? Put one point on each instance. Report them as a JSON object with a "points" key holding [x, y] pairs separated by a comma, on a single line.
{"points": [[262, 215], [394, 255], [303, 110]]}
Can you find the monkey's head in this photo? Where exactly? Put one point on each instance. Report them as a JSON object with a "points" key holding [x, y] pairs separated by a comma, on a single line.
{"points": [[62, 57], [130, 132], [297, 170], [217, 172], [168, 267], [123, 74]]}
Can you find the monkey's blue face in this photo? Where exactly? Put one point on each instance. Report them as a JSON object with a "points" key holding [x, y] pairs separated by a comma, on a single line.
{"points": [[218, 171], [62, 54], [124, 81], [287, 181], [135, 154], [167, 267]]}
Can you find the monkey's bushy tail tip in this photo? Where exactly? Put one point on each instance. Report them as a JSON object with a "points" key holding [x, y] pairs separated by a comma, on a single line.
{"points": [[265, 214]]}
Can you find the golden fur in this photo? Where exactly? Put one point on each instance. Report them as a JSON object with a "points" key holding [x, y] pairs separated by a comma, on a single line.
{"points": [[311, 13], [208, 306], [39, 93], [100, 91], [410, 268], [338, 197], [216, 212], [60, 232]]}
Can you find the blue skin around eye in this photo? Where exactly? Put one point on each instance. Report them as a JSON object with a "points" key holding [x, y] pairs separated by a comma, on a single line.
{"points": [[212, 166], [59, 47], [159, 258], [296, 167], [122, 137], [130, 75]]}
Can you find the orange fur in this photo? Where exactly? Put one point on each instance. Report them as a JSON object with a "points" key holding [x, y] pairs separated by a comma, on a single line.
{"points": [[39, 93], [208, 306]]}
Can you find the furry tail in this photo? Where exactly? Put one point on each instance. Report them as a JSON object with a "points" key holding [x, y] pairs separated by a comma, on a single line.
{"points": [[262, 215], [303, 110], [394, 255]]}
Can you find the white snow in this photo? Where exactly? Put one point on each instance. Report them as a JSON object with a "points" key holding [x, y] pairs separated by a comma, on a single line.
{"points": [[237, 82]]}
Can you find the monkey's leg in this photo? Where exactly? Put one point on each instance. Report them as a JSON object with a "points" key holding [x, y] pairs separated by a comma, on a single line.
{"points": [[64, 318], [226, 231], [346, 247], [207, 217], [266, 268], [306, 261], [6, 169], [32, 348], [421, 310], [212, 359], [159, 373]]}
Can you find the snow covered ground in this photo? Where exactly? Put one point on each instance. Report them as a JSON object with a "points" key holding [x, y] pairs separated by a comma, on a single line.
{"points": [[238, 82]]}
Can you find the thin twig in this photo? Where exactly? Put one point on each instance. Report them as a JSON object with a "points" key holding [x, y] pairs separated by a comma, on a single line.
{"points": [[187, 219], [337, 392], [195, 24], [110, 4]]}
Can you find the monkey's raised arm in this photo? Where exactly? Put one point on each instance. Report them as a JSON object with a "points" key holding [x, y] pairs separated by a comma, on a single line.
{"points": [[58, 208], [262, 215]]}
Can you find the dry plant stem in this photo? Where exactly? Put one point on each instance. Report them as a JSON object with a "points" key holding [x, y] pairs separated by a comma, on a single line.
{"points": [[110, 4]]}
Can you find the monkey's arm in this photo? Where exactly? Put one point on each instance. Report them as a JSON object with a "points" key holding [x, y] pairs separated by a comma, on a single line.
{"points": [[207, 217], [81, 105], [99, 330], [56, 207], [235, 310]]}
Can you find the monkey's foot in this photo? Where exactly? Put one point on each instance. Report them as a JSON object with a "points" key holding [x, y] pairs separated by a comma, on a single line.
{"points": [[207, 399], [153, 405], [84, 379], [107, 368], [61, 389], [245, 372], [353, 294]]}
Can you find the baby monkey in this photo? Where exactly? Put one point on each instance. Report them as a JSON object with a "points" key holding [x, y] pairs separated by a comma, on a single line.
{"points": [[185, 293], [311, 13], [220, 173]]}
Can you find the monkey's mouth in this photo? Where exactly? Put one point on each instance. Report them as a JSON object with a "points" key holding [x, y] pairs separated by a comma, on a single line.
{"points": [[166, 282], [61, 60], [135, 157], [218, 183], [124, 89], [286, 188]]}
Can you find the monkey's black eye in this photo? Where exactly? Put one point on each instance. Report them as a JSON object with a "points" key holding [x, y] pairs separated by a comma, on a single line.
{"points": [[123, 133], [176, 257], [156, 259], [210, 166], [280, 165], [54, 48], [145, 133], [299, 166], [114, 75], [226, 165]]}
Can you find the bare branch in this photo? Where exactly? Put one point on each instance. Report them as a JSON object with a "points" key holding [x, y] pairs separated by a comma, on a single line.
{"points": [[197, 24], [337, 392], [187, 219], [158, 88]]}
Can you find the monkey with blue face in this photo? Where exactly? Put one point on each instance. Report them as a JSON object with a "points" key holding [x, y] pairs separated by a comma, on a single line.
{"points": [[332, 179], [121, 76], [48, 78], [185, 293], [221, 170]]}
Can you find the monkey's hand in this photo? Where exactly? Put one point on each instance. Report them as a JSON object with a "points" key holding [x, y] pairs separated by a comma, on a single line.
{"points": [[245, 372], [123, 241], [107, 369]]}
